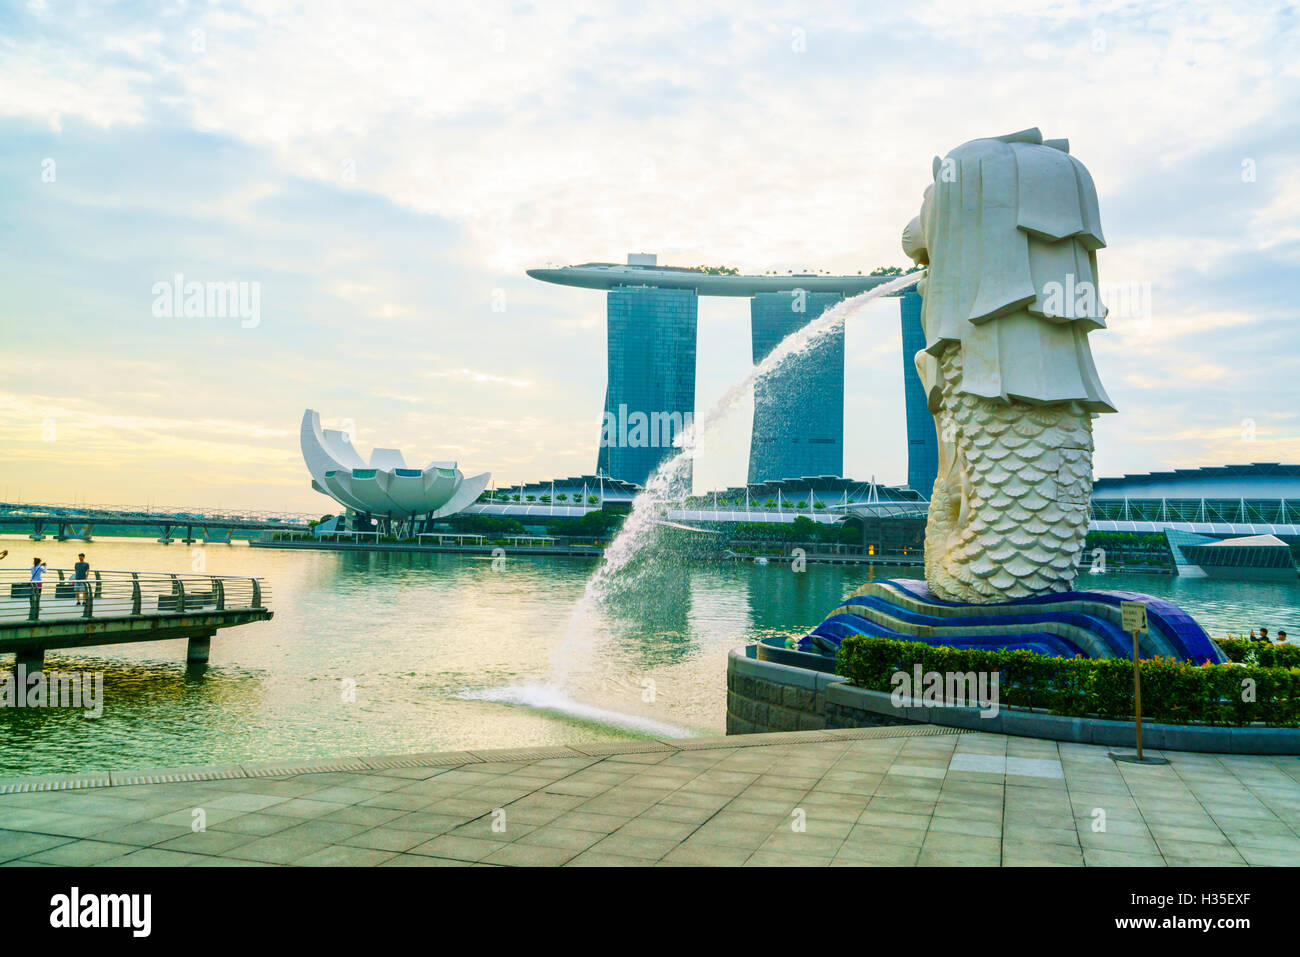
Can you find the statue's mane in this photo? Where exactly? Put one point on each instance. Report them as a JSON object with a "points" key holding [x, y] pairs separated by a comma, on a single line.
{"points": [[1004, 217], [1034, 136]]}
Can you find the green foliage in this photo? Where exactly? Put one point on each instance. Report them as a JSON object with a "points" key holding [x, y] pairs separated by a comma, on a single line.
{"points": [[1236, 647], [1260, 653], [892, 270], [1173, 692], [802, 529], [484, 525], [597, 524]]}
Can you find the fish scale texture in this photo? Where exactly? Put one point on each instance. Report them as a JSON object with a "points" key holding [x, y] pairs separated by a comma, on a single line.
{"points": [[1009, 519]]}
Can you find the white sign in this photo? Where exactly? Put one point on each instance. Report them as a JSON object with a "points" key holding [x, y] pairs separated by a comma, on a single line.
{"points": [[1134, 614]]}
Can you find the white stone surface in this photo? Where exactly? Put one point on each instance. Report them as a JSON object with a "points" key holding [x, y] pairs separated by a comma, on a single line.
{"points": [[1001, 764], [1009, 231]]}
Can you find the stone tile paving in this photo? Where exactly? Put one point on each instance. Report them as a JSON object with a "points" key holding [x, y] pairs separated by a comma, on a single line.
{"points": [[862, 797]]}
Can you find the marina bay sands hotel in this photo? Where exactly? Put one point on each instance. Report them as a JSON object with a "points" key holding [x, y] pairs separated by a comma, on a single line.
{"points": [[652, 313]]}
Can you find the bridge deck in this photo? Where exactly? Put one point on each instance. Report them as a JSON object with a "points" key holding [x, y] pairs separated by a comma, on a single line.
{"points": [[115, 607], [77, 521]]}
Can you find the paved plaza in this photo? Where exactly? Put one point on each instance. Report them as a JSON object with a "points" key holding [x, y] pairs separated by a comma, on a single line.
{"points": [[881, 796]]}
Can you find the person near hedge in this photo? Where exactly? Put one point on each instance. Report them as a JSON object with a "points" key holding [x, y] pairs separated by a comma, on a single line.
{"points": [[1281, 637]]}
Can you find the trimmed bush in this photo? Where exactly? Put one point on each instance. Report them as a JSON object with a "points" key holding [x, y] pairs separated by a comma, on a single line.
{"points": [[1260, 653], [1173, 692]]}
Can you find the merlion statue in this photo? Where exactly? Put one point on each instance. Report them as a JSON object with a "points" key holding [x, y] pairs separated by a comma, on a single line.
{"points": [[1009, 231]]}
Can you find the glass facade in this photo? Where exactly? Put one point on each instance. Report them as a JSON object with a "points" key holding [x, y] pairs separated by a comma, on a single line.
{"points": [[1255, 557], [1211, 511], [650, 390], [799, 408], [922, 440], [1240, 556]]}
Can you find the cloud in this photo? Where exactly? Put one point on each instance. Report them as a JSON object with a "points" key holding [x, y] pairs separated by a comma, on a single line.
{"points": [[479, 378], [387, 175]]}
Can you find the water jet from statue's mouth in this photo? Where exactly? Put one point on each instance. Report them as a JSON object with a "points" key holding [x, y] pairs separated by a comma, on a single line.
{"points": [[670, 478]]}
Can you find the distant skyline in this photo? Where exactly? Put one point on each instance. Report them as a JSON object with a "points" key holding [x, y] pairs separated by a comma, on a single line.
{"points": [[382, 177]]}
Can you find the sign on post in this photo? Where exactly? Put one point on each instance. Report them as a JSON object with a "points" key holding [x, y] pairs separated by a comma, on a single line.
{"points": [[1133, 615]]}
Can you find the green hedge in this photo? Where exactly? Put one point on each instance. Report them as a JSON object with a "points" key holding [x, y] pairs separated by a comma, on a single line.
{"points": [[1173, 692], [1260, 653]]}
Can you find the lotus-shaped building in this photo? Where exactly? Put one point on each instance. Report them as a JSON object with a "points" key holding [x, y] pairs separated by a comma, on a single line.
{"points": [[386, 487]]}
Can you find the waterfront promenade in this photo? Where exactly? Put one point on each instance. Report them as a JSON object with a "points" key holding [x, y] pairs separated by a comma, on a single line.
{"points": [[880, 796]]}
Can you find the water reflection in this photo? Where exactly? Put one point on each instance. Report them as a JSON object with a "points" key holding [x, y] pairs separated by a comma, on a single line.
{"points": [[777, 599], [1221, 607], [428, 641]]}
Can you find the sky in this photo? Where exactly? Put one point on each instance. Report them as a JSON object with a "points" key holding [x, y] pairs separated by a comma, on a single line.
{"points": [[382, 176]]}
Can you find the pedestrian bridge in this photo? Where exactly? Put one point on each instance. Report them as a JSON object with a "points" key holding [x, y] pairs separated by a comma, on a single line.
{"points": [[209, 524], [115, 607]]}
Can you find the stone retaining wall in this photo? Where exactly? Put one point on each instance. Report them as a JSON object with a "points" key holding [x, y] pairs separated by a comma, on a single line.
{"points": [[765, 696]]}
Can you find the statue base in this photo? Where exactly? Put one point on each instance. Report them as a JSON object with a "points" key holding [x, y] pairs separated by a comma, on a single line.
{"points": [[1063, 624]]}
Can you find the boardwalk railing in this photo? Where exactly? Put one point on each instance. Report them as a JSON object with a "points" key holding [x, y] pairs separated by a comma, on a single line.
{"points": [[118, 594]]}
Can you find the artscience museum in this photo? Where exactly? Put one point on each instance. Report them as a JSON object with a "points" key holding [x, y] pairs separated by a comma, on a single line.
{"points": [[385, 489]]}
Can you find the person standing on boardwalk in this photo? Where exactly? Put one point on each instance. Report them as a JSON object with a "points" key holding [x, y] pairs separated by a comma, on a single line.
{"points": [[38, 573], [80, 573]]}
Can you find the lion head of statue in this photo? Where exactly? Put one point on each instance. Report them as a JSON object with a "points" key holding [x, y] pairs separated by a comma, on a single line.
{"points": [[1009, 224]]}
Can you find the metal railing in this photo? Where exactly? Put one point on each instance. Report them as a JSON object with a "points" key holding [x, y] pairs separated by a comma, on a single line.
{"points": [[117, 594]]}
